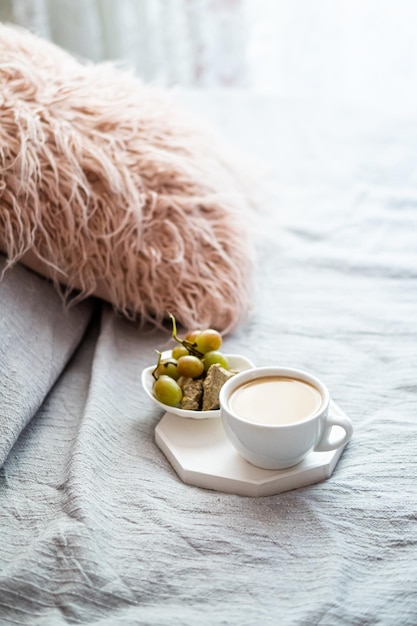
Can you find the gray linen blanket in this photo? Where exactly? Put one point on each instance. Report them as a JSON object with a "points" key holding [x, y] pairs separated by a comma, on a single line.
{"points": [[97, 528]]}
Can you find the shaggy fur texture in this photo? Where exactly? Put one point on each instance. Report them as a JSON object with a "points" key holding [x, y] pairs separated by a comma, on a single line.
{"points": [[105, 188]]}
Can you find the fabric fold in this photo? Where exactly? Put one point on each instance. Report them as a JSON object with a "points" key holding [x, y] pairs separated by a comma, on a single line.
{"points": [[35, 348]]}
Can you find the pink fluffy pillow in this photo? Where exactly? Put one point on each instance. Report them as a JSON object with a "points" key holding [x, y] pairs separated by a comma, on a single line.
{"points": [[106, 189]]}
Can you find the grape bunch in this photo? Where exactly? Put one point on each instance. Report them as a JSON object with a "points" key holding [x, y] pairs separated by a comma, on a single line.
{"points": [[190, 359]]}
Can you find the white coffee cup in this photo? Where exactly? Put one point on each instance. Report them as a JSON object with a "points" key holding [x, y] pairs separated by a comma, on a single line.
{"points": [[275, 416]]}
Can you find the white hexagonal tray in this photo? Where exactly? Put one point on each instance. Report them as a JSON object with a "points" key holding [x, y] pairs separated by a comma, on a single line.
{"points": [[201, 455]]}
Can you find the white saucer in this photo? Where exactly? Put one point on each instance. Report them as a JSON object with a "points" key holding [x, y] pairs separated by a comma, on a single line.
{"points": [[201, 455]]}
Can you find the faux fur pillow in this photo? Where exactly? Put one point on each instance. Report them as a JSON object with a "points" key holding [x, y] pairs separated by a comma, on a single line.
{"points": [[106, 189]]}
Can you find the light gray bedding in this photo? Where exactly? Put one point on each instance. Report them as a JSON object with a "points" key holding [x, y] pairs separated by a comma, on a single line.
{"points": [[96, 527]]}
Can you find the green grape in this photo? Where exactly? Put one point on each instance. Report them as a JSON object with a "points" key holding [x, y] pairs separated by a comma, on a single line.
{"points": [[190, 366], [167, 390], [192, 335], [215, 357], [167, 368], [179, 351], [208, 340]]}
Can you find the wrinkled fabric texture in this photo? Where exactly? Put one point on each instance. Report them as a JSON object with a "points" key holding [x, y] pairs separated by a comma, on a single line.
{"points": [[96, 526]]}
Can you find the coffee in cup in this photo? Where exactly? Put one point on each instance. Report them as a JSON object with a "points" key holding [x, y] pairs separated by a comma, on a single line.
{"points": [[275, 416], [275, 400]]}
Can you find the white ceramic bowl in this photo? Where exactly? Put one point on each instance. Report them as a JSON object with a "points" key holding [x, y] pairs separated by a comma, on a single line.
{"points": [[236, 362]]}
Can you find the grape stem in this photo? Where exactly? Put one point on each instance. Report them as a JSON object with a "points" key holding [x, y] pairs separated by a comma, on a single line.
{"points": [[166, 362], [187, 344], [157, 365]]}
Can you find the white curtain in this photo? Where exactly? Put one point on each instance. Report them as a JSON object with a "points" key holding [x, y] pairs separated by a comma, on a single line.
{"points": [[349, 49], [185, 42]]}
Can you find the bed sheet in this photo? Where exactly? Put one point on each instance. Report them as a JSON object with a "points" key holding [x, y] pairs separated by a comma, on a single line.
{"points": [[97, 528]]}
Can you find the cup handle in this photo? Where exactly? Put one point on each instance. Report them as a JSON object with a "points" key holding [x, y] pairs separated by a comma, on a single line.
{"points": [[325, 444]]}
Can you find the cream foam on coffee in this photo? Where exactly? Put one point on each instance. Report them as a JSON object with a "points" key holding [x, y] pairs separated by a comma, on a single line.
{"points": [[275, 400]]}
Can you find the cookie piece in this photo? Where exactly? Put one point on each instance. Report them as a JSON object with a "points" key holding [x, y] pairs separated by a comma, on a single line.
{"points": [[214, 381], [192, 393]]}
